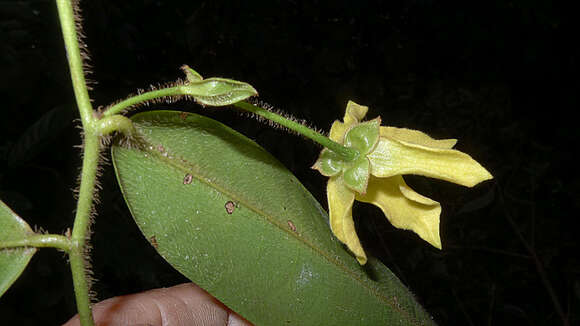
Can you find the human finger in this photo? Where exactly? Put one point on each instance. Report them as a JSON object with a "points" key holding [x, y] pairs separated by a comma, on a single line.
{"points": [[181, 305]]}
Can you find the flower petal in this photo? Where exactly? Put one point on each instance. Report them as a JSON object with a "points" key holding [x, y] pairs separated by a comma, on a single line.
{"points": [[416, 137], [405, 208], [354, 113], [337, 131], [340, 200], [392, 157]]}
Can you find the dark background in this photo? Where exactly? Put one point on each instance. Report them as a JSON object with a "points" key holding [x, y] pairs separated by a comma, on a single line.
{"points": [[501, 76]]}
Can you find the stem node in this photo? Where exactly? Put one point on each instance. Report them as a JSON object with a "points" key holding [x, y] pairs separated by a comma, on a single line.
{"points": [[113, 123]]}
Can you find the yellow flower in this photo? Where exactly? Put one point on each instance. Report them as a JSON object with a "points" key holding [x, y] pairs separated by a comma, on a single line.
{"points": [[376, 176]]}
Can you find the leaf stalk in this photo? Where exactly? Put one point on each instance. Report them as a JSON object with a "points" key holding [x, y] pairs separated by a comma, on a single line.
{"points": [[347, 153], [40, 241]]}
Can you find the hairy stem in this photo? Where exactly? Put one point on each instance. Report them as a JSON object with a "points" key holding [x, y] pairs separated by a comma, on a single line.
{"points": [[80, 233], [346, 152], [40, 241], [118, 123], [69, 33], [144, 97]]}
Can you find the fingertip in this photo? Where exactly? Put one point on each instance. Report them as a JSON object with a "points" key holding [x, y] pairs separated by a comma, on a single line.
{"points": [[237, 320], [184, 304]]}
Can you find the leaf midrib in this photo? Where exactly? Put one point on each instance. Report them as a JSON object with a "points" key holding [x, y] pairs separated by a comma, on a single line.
{"points": [[198, 175]]}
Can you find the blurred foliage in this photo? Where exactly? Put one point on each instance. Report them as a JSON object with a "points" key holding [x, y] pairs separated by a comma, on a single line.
{"points": [[502, 76]]}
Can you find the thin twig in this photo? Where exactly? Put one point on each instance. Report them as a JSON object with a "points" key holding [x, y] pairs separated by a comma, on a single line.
{"points": [[491, 250], [491, 306], [462, 308], [539, 266]]}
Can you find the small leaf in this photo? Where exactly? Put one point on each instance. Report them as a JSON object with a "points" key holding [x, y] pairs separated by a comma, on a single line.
{"points": [[12, 260], [231, 218], [191, 75], [219, 91]]}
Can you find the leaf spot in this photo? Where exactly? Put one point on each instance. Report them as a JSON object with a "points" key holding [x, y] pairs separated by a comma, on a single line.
{"points": [[183, 115], [187, 179], [230, 207], [306, 275], [153, 241], [291, 226]]}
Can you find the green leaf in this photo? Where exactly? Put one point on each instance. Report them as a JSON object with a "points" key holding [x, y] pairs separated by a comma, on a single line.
{"points": [[231, 218], [218, 91], [190, 74], [12, 260]]}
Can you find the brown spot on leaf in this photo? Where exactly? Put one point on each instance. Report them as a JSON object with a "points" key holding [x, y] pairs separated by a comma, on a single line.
{"points": [[187, 179], [291, 226], [153, 241], [230, 207], [183, 115]]}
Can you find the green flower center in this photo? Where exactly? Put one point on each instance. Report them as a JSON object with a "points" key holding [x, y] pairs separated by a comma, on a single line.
{"points": [[363, 137]]}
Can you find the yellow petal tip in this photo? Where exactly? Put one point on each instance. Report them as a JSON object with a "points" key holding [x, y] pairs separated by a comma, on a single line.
{"points": [[354, 112], [431, 235], [480, 174], [436, 243], [361, 260]]}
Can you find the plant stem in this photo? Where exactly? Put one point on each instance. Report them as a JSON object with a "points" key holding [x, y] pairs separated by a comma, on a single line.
{"points": [[346, 152], [119, 107], [81, 287], [80, 234], [40, 241], [117, 122], [539, 266], [67, 25]]}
